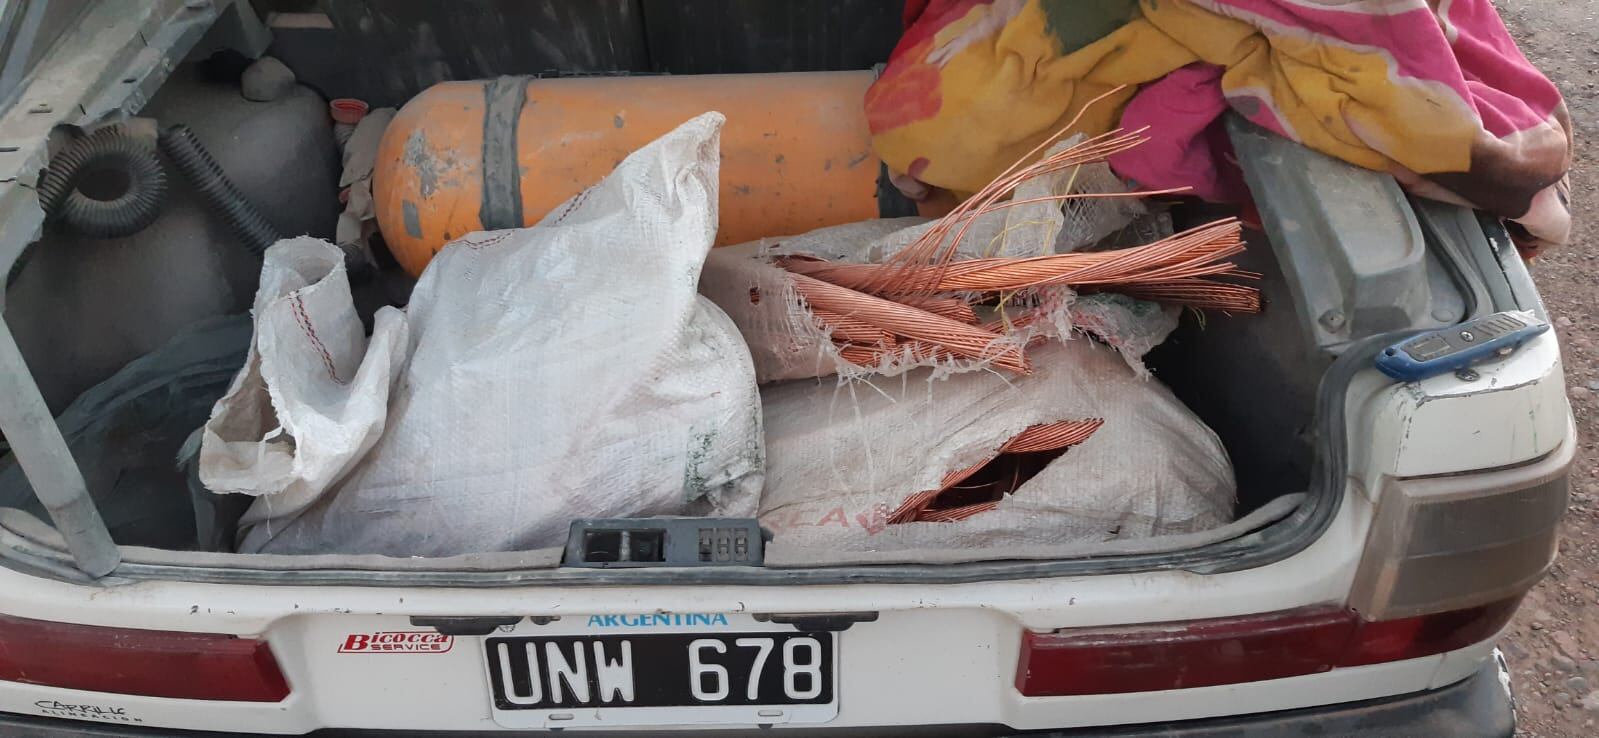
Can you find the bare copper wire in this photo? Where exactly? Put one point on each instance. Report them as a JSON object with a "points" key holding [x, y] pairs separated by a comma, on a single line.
{"points": [[955, 514], [1194, 253], [848, 329], [1042, 437], [934, 248], [963, 340], [1199, 293], [904, 308], [1052, 436], [953, 308]]}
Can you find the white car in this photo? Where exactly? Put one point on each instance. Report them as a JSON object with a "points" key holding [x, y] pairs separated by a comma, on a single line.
{"points": [[1387, 533]]}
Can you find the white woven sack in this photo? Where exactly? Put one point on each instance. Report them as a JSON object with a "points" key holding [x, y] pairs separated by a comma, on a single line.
{"points": [[312, 397], [568, 370], [842, 456]]}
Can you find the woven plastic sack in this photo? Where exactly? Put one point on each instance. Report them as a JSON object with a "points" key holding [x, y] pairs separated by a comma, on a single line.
{"points": [[568, 370], [313, 395], [843, 456]]}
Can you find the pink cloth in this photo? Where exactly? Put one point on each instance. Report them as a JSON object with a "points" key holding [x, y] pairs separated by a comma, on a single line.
{"points": [[1188, 145]]}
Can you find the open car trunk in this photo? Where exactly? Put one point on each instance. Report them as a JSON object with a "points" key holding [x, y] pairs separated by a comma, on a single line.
{"points": [[172, 300]]}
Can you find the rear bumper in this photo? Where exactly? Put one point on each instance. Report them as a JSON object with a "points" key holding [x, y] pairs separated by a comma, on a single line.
{"points": [[1479, 706]]}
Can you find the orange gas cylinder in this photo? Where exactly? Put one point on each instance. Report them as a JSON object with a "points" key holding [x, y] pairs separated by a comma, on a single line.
{"points": [[469, 156]]}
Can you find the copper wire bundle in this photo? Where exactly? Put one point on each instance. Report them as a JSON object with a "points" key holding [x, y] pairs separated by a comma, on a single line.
{"points": [[930, 323], [1198, 293], [953, 308], [918, 304], [936, 247], [1182, 257], [1038, 438], [957, 338], [849, 331]]}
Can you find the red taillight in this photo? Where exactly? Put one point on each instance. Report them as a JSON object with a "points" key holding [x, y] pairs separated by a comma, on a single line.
{"points": [[1425, 635], [1204, 653], [151, 663], [1198, 653]]}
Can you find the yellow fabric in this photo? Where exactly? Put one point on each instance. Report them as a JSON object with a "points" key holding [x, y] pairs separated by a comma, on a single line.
{"points": [[1335, 99], [1003, 93]]}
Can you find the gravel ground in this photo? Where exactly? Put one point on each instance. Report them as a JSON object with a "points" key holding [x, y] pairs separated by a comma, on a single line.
{"points": [[1553, 645]]}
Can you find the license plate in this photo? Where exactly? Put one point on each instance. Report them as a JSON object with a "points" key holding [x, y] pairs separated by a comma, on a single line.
{"points": [[546, 678]]}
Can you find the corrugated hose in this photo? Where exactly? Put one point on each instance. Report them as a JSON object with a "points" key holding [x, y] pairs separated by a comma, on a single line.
{"points": [[110, 148], [216, 190]]}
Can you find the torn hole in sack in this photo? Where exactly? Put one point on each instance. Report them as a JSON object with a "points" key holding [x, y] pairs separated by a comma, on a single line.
{"points": [[981, 486]]}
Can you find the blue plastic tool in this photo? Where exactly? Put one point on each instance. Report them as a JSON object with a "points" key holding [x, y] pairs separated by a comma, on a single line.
{"points": [[1459, 346]]}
